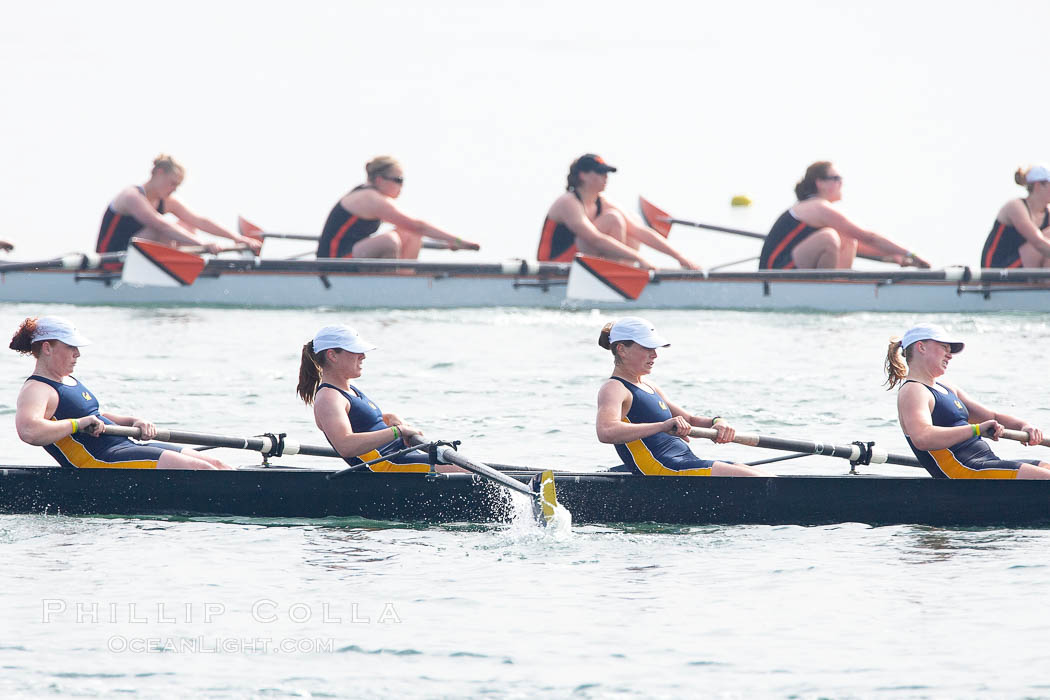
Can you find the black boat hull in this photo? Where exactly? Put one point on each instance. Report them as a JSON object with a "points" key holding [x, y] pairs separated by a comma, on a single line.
{"points": [[301, 493]]}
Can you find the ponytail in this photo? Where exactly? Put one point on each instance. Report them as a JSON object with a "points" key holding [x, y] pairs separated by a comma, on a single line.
{"points": [[309, 373], [603, 337], [1021, 178], [896, 366], [22, 340], [807, 186]]}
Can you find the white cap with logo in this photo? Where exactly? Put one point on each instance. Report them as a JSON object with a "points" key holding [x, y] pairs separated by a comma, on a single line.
{"points": [[342, 337], [639, 330], [57, 328], [928, 331]]}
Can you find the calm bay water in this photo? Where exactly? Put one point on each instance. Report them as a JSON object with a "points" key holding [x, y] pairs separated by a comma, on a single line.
{"points": [[351, 608]]}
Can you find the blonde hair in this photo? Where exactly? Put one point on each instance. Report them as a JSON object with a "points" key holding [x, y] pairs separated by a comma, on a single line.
{"points": [[167, 164], [1021, 178], [896, 363], [380, 165]]}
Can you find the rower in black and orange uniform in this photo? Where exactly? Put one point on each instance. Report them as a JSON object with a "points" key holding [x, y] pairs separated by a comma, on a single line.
{"points": [[814, 234], [582, 221], [138, 211], [351, 422], [648, 431], [57, 412], [350, 230], [1020, 236], [942, 424]]}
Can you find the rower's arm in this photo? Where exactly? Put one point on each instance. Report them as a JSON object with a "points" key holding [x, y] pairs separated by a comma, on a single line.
{"points": [[30, 411], [386, 210], [613, 404], [870, 242], [1021, 221], [140, 208], [647, 236], [195, 221], [915, 412], [571, 213], [331, 417]]}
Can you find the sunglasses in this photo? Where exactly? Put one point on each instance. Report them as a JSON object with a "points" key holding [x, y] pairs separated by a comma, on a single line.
{"points": [[398, 180], [835, 178]]}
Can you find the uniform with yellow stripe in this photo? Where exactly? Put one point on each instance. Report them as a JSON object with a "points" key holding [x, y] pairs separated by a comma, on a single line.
{"points": [[661, 454], [970, 459], [84, 451], [365, 417]]}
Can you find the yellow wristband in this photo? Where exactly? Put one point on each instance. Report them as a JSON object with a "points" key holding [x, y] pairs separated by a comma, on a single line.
{"points": [[76, 426], [976, 430], [715, 420]]}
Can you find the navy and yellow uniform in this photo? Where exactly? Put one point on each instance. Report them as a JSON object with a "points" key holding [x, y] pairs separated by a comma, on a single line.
{"points": [[786, 233], [970, 459], [343, 229], [84, 451], [557, 242], [365, 417], [117, 230], [1002, 248], [661, 454]]}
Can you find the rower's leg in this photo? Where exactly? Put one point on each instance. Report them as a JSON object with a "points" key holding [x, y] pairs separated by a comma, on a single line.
{"points": [[214, 461], [728, 469], [820, 250], [1030, 257], [847, 253], [613, 225], [1032, 471], [411, 243], [380, 245], [170, 459]]}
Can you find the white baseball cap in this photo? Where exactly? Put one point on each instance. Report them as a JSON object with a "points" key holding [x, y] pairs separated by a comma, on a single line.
{"points": [[1037, 173], [639, 330], [342, 337], [930, 332], [56, 328]]}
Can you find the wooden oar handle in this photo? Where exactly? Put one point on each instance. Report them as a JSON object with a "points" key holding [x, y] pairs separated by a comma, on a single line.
{"points": [[1021, 436]]}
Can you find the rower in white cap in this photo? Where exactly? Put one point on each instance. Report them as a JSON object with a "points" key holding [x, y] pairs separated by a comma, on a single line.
{"points": [[58, 413], [943, 425], [353, 424], [648, 431]]}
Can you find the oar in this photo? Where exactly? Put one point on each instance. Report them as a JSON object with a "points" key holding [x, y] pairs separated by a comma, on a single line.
{"points": [[271, 446], [71, 261], [249, 229], [661, 222], [1022, 436], [540, 489], [860, 454]]}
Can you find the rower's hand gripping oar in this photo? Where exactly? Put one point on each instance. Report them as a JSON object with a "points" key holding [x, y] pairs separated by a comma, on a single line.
{"points": [[540, 488], [856, 453], [1022, 436]]}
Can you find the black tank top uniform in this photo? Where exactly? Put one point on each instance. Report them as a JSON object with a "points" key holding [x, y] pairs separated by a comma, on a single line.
{"points": [[343, 229], [1002, 248], [557, 241]]}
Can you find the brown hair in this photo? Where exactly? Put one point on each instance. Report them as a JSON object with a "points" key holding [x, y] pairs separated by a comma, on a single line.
{"points": [[379, 166], [1021, 178], [167, 164], [807, 186], [896, 367], [310, 367], [22, 340], [603, 341]]}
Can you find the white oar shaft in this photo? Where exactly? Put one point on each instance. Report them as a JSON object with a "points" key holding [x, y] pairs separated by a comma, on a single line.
{"points": [[851, 452]]}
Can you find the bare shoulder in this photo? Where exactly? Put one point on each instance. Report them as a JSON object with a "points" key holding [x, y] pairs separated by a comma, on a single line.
{"points": [[565, 204]]}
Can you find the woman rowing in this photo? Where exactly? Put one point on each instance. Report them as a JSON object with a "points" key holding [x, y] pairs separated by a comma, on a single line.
{"points": [[814, 234], [57, 412], [649, 431], [582, 221], [1020, 236], [138, 211], [350, 231], [942, 424], [350, 421]]}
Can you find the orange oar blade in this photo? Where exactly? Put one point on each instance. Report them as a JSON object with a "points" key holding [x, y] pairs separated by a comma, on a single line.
{"points": [[655, 218], [596, 279], [154, 265], [247, 228]]}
